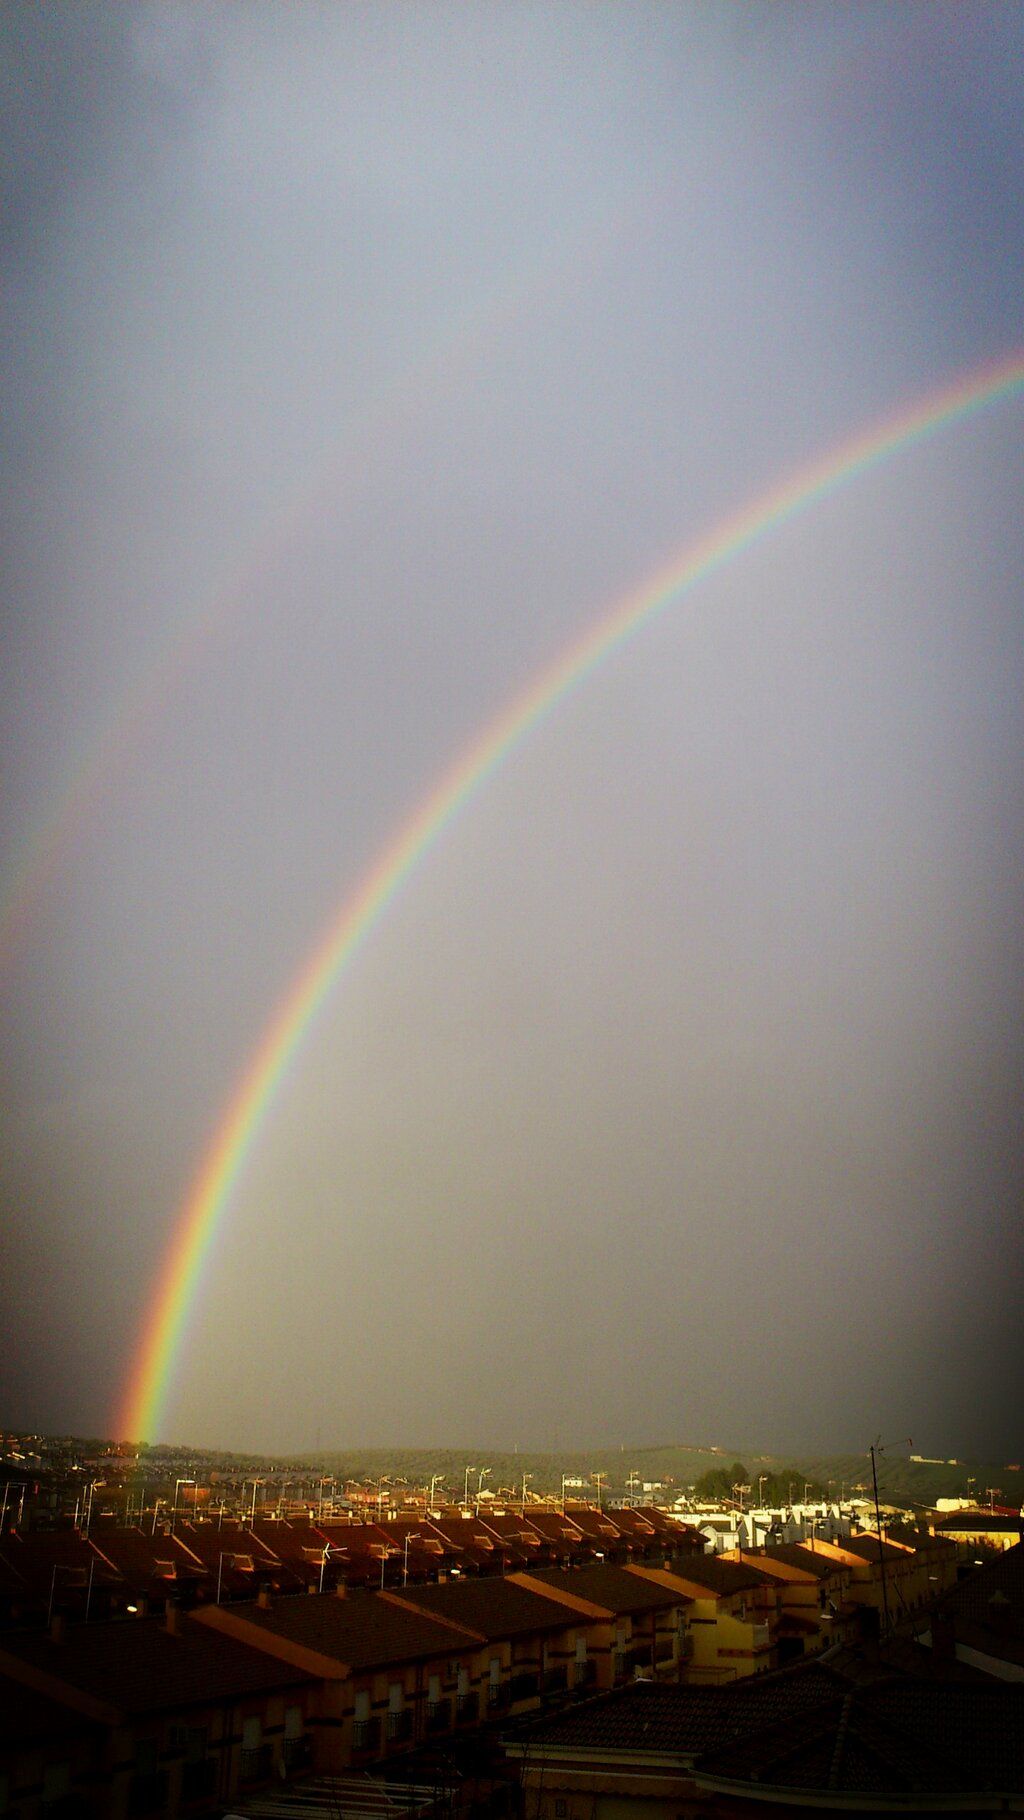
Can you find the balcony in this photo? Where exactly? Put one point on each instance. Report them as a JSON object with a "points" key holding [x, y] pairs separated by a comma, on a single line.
{"points": [[199, 1780], [298, 1754], [497, 1696], [439, 1715], [665, 1649], [618, 1666], [554, 1681], [761, 1635], [257, 1764], [525, 1685], [467, 1708], [585, 1675], [366, 1735], [399, 1727], [148, 1793]]}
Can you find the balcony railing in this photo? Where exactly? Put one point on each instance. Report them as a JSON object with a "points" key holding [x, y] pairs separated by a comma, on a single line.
{"points": [[762, 1635], [298, 1754], [618, 1665], [257, 1764], [366, 1735], [399, 1726], [497, 1696], [664, 1649], [467, 1708], [148, 1793], [439, 1715], [198, 1780], [555, 1680], [585, 1675], [525, 1685]]}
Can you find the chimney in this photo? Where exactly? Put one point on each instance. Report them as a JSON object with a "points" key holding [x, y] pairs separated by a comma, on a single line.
{"points": [[341, 1590], [263, 1597], [172, 1618]]}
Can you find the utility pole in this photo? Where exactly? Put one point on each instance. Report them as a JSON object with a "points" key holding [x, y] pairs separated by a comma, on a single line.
{"points": [[874, 1450], [881, 1544]]}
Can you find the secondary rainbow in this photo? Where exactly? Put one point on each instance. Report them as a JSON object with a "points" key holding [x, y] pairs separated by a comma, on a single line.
{"points": [[204, 1208]]}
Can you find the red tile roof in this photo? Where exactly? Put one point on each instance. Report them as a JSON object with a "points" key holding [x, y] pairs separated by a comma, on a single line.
{"points": [[137, 1666], [361, 1631]]}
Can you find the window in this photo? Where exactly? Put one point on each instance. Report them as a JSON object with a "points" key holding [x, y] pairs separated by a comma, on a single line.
{"points": [[362, 1708], [293, 1722], [251, 1734], [396, 1697]]}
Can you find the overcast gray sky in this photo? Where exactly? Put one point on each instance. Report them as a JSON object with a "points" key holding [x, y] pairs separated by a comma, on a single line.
{"points": [[356, 358]]}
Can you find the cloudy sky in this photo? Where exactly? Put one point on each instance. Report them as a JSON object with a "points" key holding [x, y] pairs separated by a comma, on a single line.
{"points": [[356, 359]]}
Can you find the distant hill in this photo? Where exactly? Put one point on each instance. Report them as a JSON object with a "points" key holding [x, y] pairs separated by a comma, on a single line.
{"points": [[672, 1467]]}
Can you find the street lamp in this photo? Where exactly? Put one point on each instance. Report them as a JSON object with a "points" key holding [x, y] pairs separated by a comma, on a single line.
{"points": [[178, 1483], [438, 1479], [413, 1536], [761, 1477], [465, 1483], [21, 1505], [527, 1476], [255, 1487], [225, 1555], [484, 1473], [93, 1483]]}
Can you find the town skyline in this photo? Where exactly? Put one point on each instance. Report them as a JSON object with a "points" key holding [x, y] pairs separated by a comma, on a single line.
{"points": [[511, 713]]}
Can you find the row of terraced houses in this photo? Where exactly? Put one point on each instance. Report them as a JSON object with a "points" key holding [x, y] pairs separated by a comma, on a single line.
{"points": [[182, 1712]]}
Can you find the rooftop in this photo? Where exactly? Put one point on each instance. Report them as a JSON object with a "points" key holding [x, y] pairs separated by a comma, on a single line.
{"points": [[138, 1666]]}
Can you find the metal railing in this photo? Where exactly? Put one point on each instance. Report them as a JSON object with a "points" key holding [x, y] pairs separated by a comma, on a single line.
{"points": [[198, 1780], [525, 1684], [257, 1764], [366, 1735], [298, 1753], [148, 1793]]}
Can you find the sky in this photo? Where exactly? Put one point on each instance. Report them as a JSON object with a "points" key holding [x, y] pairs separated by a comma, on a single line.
{"points": [[356, 360]]}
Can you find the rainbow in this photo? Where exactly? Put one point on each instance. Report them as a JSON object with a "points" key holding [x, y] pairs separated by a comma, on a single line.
{"points": [[208, 1198]]}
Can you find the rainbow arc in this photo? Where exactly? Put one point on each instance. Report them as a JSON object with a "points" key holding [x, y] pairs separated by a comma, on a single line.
{"points": [[208, 1198]]}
